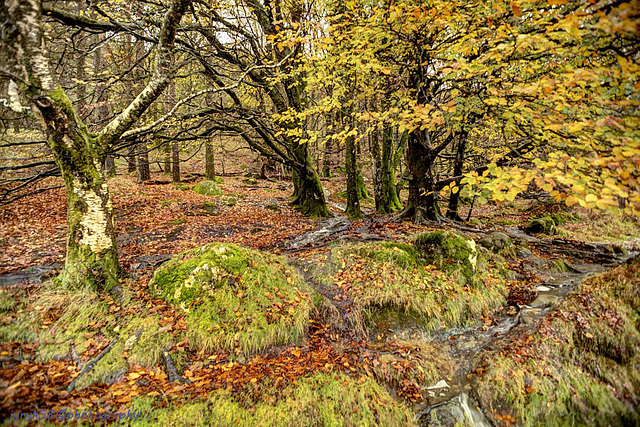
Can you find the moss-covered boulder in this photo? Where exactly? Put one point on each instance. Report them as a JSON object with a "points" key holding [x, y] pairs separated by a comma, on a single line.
{"points": [[394, 284], [448, 251], [236, 299], [582, 366], [207, 188], [543, 225], [498, 243], [320, 400]]}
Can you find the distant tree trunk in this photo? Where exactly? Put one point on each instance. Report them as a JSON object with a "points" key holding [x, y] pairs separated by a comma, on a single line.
{"points": [[385, 194], [210, 165], [353, 201], [175, 150], [454, 198], [131, 160], [110, 165], [144, 173], [308, 196]]}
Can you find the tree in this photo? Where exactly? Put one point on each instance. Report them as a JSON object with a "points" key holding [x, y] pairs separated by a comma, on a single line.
{"points": [[92, 256]]}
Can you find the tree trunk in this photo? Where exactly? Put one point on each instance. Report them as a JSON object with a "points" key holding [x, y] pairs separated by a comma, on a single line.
{"points": [[308, 195], [353, 201], [422, 203], [454, 198], [110, 165], [131, 161], [175, 167], [385, 194], [144, 173], [92, 256], [210, 165]]}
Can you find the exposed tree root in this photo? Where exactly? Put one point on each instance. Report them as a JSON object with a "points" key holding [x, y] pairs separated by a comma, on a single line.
{"points": [[89, 366], [172, 371]]}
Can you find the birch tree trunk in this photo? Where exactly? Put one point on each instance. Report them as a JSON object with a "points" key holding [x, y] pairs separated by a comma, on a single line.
{"points": [[92, 255]]}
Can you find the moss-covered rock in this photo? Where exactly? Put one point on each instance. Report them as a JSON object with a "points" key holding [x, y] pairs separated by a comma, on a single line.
{"points": [[207, 188], [582, 368], [237, 299], [320, 400], [448, 251], [498, 243], [544, 225], [394, 284]]}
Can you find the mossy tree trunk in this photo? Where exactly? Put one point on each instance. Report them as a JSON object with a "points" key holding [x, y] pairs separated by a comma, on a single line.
{"points": [[353, 201], [308, 195], [92, 256], [384, 183]]}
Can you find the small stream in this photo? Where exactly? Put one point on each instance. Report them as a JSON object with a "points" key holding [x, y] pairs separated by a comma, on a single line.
{"points": [[450, 402]]}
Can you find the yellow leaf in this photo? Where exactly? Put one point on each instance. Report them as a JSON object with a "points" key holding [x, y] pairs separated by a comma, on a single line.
{"points": [[591, 198], [280, 46]]}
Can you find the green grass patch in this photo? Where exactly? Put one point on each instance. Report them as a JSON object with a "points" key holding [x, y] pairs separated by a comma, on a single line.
{"points": [[237, 299], [583, 368], [320, 400]]}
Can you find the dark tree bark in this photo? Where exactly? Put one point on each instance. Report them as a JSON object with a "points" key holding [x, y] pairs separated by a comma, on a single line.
{"points": [[131, 160], [210, 162], [110, 165], [458, 165], [167, 158], [353, 201], [175, 167], [142, 156]]}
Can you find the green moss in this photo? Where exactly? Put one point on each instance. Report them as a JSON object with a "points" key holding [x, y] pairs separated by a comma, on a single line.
{"points": [[237, 299], [584, 369], [448, 251], [320, 400], [207, 188], [390, 278], [544, 225], [177, 221]]}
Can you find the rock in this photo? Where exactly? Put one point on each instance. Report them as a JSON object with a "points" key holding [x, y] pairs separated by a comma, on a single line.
{"points": [[235, 299], [523, 252], [545, 300], [459, 411], [448, 251], [545, 225], [440, 384], [543, 288], [207, 188], [496, 241]]}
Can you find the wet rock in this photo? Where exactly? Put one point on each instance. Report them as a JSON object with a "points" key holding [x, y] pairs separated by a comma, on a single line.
{"points": [[545, 300], [459, 411]]}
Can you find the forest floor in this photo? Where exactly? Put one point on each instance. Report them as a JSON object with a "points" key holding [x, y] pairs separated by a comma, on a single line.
{"points": [[159, 219]]}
